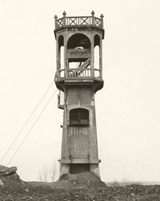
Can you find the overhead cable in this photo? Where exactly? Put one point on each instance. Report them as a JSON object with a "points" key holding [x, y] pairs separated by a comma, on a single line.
{"points": [[31, 128], [26, 122]]}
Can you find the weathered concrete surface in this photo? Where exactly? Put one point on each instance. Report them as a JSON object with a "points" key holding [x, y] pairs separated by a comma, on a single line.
{"points": [[9, 178], [1, 183], [7, 170]]}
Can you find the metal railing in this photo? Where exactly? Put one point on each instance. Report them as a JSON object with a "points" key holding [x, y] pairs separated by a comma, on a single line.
{"points": [[79, 21]]}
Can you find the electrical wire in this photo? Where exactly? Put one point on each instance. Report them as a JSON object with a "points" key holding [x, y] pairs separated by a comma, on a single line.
{"points": [[26, 122], [31, 128]]}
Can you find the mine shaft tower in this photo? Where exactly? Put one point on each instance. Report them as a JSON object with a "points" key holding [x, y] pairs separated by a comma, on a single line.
{"points": [[78, 77]]}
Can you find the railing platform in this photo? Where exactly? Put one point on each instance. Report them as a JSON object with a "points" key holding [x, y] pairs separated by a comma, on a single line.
{"points": [[78, 21]]}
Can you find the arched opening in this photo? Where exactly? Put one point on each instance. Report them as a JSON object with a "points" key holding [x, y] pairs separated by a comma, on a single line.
{"points": [[79, 117], [61, 56], [60, 41], [79, 53], [79, 41], [97, 55]]}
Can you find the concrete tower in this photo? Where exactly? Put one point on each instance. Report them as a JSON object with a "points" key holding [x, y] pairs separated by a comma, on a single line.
{"points": [[78, 77]]}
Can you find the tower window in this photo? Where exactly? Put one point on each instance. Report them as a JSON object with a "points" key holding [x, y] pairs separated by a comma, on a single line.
{"points": [[79, 117]]}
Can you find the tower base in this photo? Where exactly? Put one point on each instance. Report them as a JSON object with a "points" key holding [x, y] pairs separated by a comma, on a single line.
{"points": [[79, 168]]}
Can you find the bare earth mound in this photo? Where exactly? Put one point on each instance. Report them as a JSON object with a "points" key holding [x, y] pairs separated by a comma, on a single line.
{"points": [[79, 187], [81, 180]]}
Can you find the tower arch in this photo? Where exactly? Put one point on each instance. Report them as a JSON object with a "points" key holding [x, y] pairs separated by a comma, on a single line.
{"points": [[97, 55], [79, 40], [61, 55], [60, 41]]}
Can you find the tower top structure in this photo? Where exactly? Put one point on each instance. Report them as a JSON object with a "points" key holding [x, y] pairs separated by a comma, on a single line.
{"points": [[77, 38], [79, 22]]}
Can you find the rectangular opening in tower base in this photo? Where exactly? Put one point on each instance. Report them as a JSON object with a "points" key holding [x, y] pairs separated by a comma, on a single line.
{"points": [[78, 168]]}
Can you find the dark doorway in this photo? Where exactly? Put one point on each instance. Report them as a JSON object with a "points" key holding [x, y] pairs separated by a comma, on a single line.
{"points": [[78, 168]]}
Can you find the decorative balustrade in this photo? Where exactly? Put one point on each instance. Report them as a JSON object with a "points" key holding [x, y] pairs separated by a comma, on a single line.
{"points": [[78, 21], [74, 74]]}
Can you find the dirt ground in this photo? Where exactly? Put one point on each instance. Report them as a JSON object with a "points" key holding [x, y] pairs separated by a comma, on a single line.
{"points": [[82, 187]]}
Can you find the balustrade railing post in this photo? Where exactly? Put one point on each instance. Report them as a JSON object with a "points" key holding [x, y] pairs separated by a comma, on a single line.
{"points": [[102, 20], [55, 17], [93, 17], [64, 18]]}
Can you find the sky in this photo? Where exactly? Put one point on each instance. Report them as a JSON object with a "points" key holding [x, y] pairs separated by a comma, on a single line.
{"points": [[127, 108]]}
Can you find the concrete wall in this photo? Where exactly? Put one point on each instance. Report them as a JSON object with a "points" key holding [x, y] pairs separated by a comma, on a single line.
{"points": [[79, 144]]}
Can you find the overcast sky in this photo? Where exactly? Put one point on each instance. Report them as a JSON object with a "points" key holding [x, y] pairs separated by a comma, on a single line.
{"points": [[128, 107]]}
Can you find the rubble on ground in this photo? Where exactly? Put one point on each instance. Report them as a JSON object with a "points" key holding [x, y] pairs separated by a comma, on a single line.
{"points": [[72, 187], [9, 177], [7, 170]]}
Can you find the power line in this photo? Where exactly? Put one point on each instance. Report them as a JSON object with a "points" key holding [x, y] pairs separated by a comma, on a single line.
{"points": [[26, 122], [31, 127]]}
